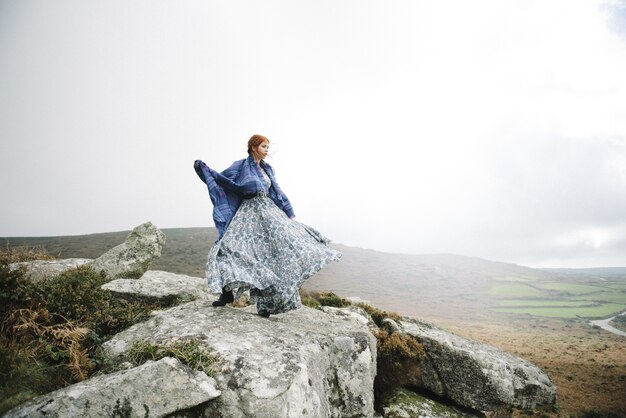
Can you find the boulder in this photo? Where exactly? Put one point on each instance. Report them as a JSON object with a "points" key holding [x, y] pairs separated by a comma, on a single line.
{"points": [[40, 269], [161, 286], [477, 375], [302, 363], [153, 389], [407, 404], [351, 314], [355, 299], [133, 257], [128, 260]]}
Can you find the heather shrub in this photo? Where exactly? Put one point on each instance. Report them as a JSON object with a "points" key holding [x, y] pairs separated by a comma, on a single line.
{"points": [[50, 330], [32, 347], [399, 358], [77, 294], [310, 302], [331, 299], [310, 298]]}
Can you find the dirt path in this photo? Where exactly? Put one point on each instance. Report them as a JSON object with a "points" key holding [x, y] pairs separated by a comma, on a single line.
{"points": [[604, 324]]}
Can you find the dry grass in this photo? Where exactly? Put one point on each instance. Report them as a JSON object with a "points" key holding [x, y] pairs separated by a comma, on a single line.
{"points": [[11, 255], [50, 330], [66, 338], [242, 302]]}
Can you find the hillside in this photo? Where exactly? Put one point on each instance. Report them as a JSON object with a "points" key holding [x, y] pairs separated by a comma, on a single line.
{"points": [[479, 299], [418, 284]]}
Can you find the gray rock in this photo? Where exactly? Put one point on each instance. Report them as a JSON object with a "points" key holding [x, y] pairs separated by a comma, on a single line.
{"points": [[390, 325], [153, 389], [161, 286], [302, 363], [133, 257], [351, 313], [476, 375], [406, 404], [38, 270], [355, 299]]}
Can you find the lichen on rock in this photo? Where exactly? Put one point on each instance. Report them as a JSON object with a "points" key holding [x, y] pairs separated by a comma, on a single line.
{"points": [[303, 363], [162, 387], [132, 258]]}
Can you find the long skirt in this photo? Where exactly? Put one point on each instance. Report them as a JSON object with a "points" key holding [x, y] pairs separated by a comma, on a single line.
{"points": [[267, 253]]}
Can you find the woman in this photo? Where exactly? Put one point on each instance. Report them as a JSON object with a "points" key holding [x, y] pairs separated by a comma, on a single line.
{"points": [[260, 247]]}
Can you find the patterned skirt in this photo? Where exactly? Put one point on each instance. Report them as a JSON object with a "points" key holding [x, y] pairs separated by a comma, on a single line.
{"points": [[267, 253]]}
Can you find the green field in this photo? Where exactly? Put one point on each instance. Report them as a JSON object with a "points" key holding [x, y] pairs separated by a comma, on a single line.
{"points": [[617, 286], [515, 278], [601, 311], [571, 288], [510, 290], [523, 303], [606, 296], [557, 299]]}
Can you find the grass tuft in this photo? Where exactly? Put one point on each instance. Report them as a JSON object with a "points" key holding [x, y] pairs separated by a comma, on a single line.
{"points": [[378, 315], [331, 299], [189, 352], [11, 255]]}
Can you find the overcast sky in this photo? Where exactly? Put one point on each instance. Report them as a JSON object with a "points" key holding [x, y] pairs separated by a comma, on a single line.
{"points": [[494, 129]]}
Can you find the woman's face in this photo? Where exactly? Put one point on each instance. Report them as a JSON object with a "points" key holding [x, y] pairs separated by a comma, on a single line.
{"points": [[262, 150]]}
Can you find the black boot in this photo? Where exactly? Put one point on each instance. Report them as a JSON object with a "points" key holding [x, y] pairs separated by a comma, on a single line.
{"points": [[225, 297], [264, 314]]}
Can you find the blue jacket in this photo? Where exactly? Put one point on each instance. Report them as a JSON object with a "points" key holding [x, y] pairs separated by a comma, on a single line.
{"points": [[243, 177]]}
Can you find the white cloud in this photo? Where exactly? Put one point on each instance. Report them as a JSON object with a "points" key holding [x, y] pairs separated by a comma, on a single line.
{"points": [[489, 128]]}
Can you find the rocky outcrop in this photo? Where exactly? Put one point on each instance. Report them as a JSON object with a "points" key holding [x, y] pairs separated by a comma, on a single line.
{"points": [[132, 258], [161, 286], [303, 363], [407, 404], [477, 375], [308, 362], [469, 373], [153, 389]]}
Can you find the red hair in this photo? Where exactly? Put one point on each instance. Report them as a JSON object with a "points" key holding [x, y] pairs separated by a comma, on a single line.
{"points": [[255, 141]]}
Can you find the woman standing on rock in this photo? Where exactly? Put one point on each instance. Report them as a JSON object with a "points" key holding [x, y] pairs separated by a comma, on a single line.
{"points": [[261, 247]]}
